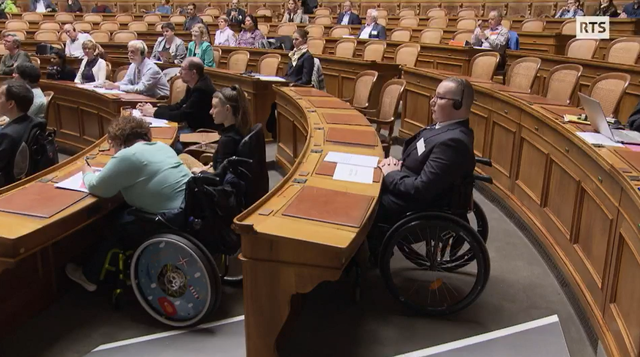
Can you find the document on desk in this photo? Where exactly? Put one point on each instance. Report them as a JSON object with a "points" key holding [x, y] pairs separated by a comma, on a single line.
{"points": [[353, 173], [271, 78], [75, 182], [153, 122], [107, 91], [597, 139], [352, 159]]}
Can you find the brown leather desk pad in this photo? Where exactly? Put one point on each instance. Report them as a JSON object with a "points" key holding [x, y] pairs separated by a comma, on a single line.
{"points": [[331, 103], [632, 157], [327, 168], [536, 99], [163, 133], [77, 167], [40, 200], [561, 111], [310, 92], [345, 118], [330, 206], [199, 138], [133, 97], [352, 136]]}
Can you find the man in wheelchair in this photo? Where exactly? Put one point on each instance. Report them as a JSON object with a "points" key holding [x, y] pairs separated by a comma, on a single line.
{"points": [[437, 163]]}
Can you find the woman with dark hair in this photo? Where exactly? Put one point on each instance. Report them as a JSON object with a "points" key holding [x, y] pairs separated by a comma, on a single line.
{"points": [[74, 6], [300, 69], [294, 13], [607, 8], [169, 44], [58, 70], [250, 35]]}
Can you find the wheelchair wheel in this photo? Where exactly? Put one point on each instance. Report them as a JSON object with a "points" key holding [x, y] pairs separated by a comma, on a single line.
{"points": [[230, 267], [480, 221], [175, 279], [415, 264]]}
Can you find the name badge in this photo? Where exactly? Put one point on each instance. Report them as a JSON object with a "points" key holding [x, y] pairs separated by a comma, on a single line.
{"points": [[374, 32], [420, 146]]}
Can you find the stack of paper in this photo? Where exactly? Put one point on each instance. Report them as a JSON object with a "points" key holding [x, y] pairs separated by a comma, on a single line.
{"points": [[597, 139], [271, 78], [353, 167], [75, 182], [107, 91], [153, 122]]}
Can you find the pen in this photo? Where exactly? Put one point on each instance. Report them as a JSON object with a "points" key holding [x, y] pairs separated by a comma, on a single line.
{"points": [[86, 161]]}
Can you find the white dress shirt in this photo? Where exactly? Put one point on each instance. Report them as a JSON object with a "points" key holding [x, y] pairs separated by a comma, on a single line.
{"points": [[146, 79], [40, 6], [448, 122], [345, 18], [366, 31], [74, 48], [225, 37]]}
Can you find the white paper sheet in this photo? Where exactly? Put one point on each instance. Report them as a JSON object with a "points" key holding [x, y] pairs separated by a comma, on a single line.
{"points": [[353, 173], [597, 139], [154, 122], [107, 91], [352, 159], [271, 78], [75, 182]]}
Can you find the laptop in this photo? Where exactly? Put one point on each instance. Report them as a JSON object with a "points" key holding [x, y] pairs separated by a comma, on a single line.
{"points": [[598, 122]]}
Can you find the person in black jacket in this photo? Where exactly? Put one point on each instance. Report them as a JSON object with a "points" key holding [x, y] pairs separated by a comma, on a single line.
{"points": [[634, 118], [58, 70], [347, 16], [300, 67], [235, 14], [16, 99]]}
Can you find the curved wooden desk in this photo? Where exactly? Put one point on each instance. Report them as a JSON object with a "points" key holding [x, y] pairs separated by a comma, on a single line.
{"points": [[577, 199], [34, 250], [283, 255]]}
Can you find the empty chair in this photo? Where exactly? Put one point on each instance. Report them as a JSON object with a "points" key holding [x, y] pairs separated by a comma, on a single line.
{"points": [[177, 19], [138, 26], [16, 25], [213, 11], [409, 21], [152, 18], [286, 29], [407, 54], [346, 48], [438, 22], [382, 13], [340, 31], [268, 64], [315, 30], [506, 23], [362, 86], [608, 89], [315, 45], [431, 36], [121, 71], [483, 65], [93, 18], [36, 61], [437, 12], [466, 13], [384, 117], [466, 24], [532, 25], [158, 27], [462, 35], [32, 16], [323, 20], [264, 11], [21, 34], [581, 48], [383, 21], [177, 89], [623, 50], [84, 26], [50, 25], [406, 12], [46, 35], [322, 11], [237, 61], [124, 18], [400, 34], [63, 36], [208, 19], [110, 26], [522, 73], [568, 27], [374, 51], [217, 53], [124, 36], [65, 18], [264, 28], [100, 36], [562, 82]]}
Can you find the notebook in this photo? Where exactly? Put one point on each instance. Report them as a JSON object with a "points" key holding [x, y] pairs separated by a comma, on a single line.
{"points": [[39, 200]]}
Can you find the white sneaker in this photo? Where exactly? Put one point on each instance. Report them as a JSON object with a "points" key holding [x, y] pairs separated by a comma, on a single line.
{"points": [[74, 272]]}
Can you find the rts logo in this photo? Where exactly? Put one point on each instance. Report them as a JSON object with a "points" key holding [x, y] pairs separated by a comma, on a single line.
{"points": [[592, 27]]}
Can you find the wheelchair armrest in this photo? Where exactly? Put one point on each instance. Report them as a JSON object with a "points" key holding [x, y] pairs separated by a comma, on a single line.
{"points": [[484, 161], [142, 215], [483, 178]]}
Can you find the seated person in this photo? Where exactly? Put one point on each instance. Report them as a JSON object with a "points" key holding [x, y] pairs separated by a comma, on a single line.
{"points": [[607, 8], [8, 6], [570, 11], [148, 174], [230, 111], [30, 75], [169, 43], [193, 109], [42, 6], [58, 70], [347, 16], [434, 161], [93, 69], [15, 101], [496, 37], [73, 48], [225, 36], [14, 54], [143, 76], [200, 46], [250, 35], [294, 13], [74, 6], [631, 10], [235, 14], [192, 18], [165, 8], [300, 68], [372, 29], [634, 119]]}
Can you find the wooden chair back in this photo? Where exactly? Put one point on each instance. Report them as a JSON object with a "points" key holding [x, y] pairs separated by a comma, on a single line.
{"points": [[16, 25], [92, 18], [466, 23], [315, 30], [466, 13], [437, 12], [268, 64], [46, 35], [213, 11], [362, 86], [462, 35], [208, 19], [50, 25], [323, 20], [406, 12], [438, 22], [431, 36], [110, 26], [217, 54], [286, 29], [322, 11], [532, 25], [32, 16], [382, 13], [340, 31], [562, 82], [581, 48], [264, 11], [124, 36], [152, 18], [608, 89], [237, 61], [138, 26], [374, 51], [382, 21], [264, 28], [177, 89], [177, 19], [409, 21], [407, 54], [401, 34], [346, 48], [124, 18], [21, 34], [65, 18], [120, 73], [506, 23], [623, 50], [483, 65], [100, 36], [568, 27], [36, 61], [84, 26], [522, 73], [315, 45]]}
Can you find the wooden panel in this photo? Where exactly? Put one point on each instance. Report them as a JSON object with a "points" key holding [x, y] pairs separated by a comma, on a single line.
{"points": [[543, 8], [91, 125], [561, 196], [531, 171], [479, 122], [517, 9], [502, 148], [69, 122]]}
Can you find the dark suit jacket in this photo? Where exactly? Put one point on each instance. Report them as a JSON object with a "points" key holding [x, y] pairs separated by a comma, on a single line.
{"points": [[634, 118], [237, 20], [378, 31], [302, 72], [354, 19], [48, 4], [428, 181], [230, 138], [12, 135], [193, 108]]}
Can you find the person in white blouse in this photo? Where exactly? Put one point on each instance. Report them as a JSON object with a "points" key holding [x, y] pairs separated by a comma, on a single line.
{"points": [[224, 36], [93, 69], [75, 41]]}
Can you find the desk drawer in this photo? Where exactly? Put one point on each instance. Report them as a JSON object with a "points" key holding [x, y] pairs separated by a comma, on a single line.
{"points": [[505, 109]]}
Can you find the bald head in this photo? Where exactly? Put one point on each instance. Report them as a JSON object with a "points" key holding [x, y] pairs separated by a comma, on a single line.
{"points": [[191, 70], [70, 31], [448, 93]]}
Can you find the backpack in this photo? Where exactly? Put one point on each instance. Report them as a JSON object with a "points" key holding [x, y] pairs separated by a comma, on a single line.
{"points": [[43, 151]]}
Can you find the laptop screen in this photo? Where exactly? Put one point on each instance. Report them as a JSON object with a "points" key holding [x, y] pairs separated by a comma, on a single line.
{"points": [[596, 116]]}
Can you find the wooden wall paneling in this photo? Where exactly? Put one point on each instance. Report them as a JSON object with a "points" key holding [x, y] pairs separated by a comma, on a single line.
{"points": [[92, 124], [416, 111], [532, 169], [286, 152], [364, 6], [300, 134], [488, 7], [539, 9], [515, 9], [69, 129], [425, 7], [452, 8], [562, 195], [479, 122], [590, 7], [392, 8], [503, 142], [478, 7]]}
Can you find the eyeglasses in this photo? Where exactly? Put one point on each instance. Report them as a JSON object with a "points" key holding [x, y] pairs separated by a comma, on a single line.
{"points": [[438, 97]]}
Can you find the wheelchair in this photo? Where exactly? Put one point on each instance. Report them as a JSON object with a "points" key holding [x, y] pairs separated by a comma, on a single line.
{"points": [[177, 272], [434, 262]]}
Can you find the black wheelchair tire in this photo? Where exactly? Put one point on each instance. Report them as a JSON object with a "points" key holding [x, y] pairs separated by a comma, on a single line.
{"points": [[476, 244], [482, 223], [201, 253]]}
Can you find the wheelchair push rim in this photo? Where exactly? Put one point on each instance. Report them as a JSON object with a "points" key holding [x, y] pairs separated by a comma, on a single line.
{"points": [[174, 280], [414, 261]]}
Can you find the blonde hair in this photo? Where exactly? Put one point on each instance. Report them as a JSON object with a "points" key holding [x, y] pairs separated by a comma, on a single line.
{"points": [[235, 98], [204, 33]]}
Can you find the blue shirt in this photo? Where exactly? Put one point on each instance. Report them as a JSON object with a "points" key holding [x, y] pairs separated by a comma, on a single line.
{"points": [[146, 79], [164, 9], [631, 10]]}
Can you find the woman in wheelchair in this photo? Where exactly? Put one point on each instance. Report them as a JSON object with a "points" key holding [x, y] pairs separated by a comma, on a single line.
{"points": [[150, 177], [230, 110]]}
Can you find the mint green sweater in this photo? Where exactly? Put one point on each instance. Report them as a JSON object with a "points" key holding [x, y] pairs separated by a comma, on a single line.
{"points": [[150, 176]]}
